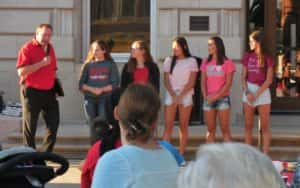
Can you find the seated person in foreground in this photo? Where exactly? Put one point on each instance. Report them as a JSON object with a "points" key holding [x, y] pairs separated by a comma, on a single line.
{"points": [[230, 165], [141, 162], [110, 139]]}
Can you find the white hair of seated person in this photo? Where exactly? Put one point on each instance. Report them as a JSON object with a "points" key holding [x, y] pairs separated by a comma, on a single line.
{"points": [[230, 165]]}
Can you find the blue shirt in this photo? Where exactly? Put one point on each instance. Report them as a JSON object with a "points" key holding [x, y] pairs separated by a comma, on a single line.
{"points": [[133, 167]]}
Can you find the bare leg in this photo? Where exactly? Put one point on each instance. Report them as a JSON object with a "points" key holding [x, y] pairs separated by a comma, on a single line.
{"points": [[184, 119], [249, 122], [210, 121], [224, 119], [170, 112], [264, 115]]}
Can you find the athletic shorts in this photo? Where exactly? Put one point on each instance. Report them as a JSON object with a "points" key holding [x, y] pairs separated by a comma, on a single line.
{"points": [[263, 98]]}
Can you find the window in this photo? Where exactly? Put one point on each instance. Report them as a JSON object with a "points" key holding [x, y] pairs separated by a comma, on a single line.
{"points": [[286, 84], [120, 21]]}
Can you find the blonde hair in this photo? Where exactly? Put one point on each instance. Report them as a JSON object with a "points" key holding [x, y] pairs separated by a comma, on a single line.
{"points": [[258, 36], [90, 56]]}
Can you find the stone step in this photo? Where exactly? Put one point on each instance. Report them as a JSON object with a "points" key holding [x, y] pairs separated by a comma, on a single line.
{"points": [[277, 139], [70, 151], [73, 140], [75, 151]]}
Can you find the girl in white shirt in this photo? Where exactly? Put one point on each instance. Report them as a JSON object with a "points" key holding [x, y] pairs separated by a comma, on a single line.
{"points": [[180, 73]]}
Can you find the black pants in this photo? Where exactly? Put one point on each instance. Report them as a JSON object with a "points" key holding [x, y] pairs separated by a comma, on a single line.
{"points": [[33, 102]]}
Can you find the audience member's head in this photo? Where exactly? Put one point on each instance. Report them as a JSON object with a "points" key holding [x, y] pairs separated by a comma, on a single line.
{"points": [[230, 165], [137, 112]]}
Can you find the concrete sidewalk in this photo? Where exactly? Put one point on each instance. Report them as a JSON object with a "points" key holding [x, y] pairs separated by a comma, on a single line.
{"points": [[71, 179]]}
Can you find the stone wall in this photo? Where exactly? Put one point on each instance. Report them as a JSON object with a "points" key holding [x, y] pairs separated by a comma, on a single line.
{"points": [[18, 19], [225, 18]]}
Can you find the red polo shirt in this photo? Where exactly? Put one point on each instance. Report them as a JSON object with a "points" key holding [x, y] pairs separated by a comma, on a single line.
{"points": [[31, 53]]}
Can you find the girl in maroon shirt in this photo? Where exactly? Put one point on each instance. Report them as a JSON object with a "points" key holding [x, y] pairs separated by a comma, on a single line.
{"points": [[257, 76]]}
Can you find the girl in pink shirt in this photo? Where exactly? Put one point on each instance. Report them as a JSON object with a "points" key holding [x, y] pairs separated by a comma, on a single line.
{"points": [[216, 78], [257, 77]]}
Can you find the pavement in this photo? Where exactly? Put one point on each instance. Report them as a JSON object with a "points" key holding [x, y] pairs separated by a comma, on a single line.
{"points": [[71, 179]]}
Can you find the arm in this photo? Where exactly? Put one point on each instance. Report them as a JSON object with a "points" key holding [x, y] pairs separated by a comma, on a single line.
{"points": [[94, 90], [156, 77], [24, 71], [266, 84], [244, 79], [203, 84], [114, 78], [89, 165], [82, 82], [168, 84], [190, 85]]}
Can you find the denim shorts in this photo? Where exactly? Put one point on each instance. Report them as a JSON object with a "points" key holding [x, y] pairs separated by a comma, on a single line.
{"points": [[220, 104]]}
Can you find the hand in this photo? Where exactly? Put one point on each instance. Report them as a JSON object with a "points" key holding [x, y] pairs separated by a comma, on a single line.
{"points": [[46, 61], [98, 91], [250, 97], [178, 99], [107, 88], [174, 98], [211, 98]]}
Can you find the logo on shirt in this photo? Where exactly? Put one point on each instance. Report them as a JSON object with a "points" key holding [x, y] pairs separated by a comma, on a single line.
{"points": [[215, 70], [252, 65], [99, 73]]}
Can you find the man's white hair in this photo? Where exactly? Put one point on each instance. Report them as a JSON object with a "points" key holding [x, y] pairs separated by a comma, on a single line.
{"points": [[230, 165]]}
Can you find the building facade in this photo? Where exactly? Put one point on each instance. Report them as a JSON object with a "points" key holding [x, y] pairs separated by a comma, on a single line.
{"points": [[77, 22]]}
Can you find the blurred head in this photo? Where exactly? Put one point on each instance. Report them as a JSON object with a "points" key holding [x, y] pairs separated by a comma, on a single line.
{"points": [[180, 50], [102, 127], [230, 165], [180, 47], [139, 49], [256, 44], [256, 40], [98, 50], [137, 112], [43, 34], [139, 52], [216, 49]]}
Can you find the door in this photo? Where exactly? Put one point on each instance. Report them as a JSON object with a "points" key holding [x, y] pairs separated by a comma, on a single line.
{"points": [[280, 20]]}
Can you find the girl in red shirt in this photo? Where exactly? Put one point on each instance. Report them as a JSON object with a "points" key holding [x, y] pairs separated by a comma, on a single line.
{"points": [[140, 67]]}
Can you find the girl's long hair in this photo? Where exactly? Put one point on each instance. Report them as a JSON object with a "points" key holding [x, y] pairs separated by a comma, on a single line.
{"points": [[113, 132], [221, 54], [181, 41], [147, 55], [258, 36], [90, 57]]}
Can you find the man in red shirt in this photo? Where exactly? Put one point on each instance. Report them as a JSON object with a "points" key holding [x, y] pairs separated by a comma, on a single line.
{"points": [[36, 66]]}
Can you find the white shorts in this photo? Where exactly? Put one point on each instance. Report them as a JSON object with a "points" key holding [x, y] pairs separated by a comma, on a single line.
{"points": [[187, 100], [263, 98]]}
